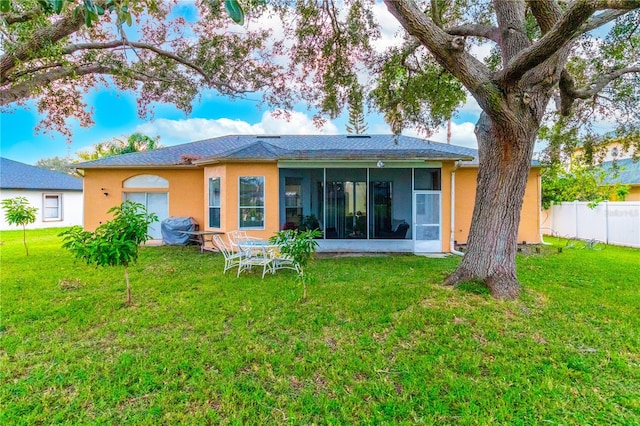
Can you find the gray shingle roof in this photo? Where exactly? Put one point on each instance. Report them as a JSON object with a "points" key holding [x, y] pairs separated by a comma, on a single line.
{"points": [[629, 171], [289, 147], [15, 175]]}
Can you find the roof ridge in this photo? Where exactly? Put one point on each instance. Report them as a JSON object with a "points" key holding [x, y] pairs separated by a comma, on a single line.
{"points": [[271, 148]]}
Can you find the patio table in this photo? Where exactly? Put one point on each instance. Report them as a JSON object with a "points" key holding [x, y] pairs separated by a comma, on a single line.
{"points": [[202, 238], [256, 253]]}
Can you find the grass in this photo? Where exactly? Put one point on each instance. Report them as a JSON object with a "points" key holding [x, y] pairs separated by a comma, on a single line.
{"points": [[378, 341]]}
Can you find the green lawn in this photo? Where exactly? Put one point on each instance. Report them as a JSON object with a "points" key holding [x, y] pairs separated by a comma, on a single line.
{"points": [[378, 341]]}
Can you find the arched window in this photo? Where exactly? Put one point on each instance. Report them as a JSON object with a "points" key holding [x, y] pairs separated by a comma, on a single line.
{"points": [[146, 181]]}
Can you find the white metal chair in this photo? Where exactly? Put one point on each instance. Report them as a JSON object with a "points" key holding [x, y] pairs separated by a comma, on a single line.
{"points": [[254, 255], [280, 260], [231, 258], [237, 237]]}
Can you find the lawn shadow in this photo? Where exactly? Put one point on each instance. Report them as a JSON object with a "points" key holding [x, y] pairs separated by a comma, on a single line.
{"points": [[474, 287]]}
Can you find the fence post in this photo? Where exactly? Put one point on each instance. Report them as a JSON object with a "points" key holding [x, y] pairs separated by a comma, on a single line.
{"points": [[575, 208], [606, 224]]}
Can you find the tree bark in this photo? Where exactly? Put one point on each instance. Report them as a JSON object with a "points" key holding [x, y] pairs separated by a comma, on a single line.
{"points": [[505, 153], [126, 277], [24, 238]]}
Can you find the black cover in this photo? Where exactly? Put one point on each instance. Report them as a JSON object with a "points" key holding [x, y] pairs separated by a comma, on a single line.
{"points": [[171, 230]]}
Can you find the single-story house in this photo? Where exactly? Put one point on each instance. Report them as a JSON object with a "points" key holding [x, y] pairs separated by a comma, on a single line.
{"points": [[365, 192], [628, 174], [57, 196]]}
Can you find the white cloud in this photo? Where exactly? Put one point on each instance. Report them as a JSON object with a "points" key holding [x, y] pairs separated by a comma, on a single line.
{"points": [[481, 50], [173, 132], [470, 107], [296, 124], [390, 29], [461, 134]]}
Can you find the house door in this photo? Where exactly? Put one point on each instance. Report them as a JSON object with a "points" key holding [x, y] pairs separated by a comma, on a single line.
{"points": [[154, 202], [426, 221]]}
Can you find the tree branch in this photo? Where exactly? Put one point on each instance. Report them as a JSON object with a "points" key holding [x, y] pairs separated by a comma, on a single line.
{"points": [[510, 15], [15, 18], [120, 43], [33, 70], [602, 82], [546, 12], [616, 4], [566, 29], [601, 19], [24, 90], [48, 35], [569, 93], [435, 13], [476, 30], [448, 50]]}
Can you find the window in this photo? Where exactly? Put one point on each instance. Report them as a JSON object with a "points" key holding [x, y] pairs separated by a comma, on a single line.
{"points": [[154, 202], [251, 202], [146, 181], [293, 202], [614, 152], [52, 207], [214, 202], [346, 204], [427, 179]]}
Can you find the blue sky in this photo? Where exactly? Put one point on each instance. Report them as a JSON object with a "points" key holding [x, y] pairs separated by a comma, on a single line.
{"points": [[115, 115]]}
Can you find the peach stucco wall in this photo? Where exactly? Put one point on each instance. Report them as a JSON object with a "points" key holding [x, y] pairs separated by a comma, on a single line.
{"points": [[465, 194], [230, 174], [185, 192], [634, 193], [188, 196]]}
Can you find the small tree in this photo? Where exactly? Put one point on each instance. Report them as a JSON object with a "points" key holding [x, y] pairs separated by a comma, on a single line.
{"points": [[57, 164], [17, 211], [580, 183], [356, 124], [300, 246], [115, 242], [137, 142]]}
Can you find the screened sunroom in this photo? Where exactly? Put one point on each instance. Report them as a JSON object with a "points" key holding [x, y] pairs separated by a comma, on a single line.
{"points": [[377, 207]]}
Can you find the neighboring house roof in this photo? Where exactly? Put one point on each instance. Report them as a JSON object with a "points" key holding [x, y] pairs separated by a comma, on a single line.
{"points": [[288, 147], [15, 175], [628, 171]]}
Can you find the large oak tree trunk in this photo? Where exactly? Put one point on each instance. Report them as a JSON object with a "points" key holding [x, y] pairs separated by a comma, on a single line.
{"points": [[505, 154]]}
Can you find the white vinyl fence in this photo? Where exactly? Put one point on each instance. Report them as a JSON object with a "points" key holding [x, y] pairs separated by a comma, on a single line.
{"points": [[612, 222]]}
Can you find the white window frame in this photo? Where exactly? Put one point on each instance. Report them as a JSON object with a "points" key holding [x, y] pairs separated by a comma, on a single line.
{"points": [[242, 207], [145, 181], [212, 204], [45, 208]]}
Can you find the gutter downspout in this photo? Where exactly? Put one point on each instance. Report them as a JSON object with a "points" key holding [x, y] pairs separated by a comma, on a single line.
{"points": [[453, 210]]}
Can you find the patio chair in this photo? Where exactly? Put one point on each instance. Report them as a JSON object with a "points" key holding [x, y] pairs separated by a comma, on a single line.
{"points": [[255, 255], [237, 237], [281, 260], [400, 233], [231, 258]]}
